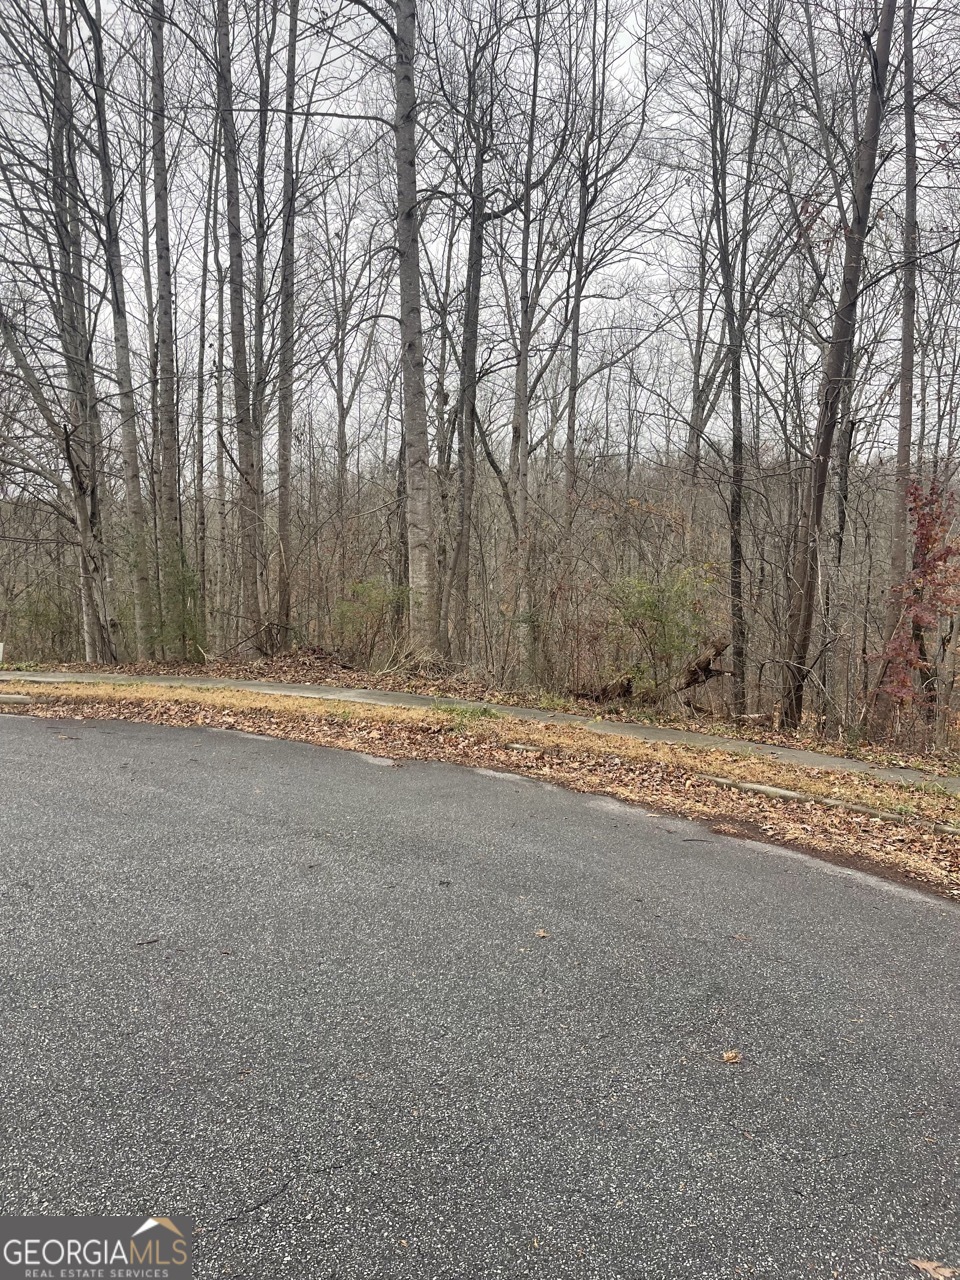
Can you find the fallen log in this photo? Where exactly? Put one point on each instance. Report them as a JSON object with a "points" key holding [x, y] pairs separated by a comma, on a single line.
{"points": [[702, 669]]}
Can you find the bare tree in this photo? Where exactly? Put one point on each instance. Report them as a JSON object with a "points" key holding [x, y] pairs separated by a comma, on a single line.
{"points": [[171, 554], [249, 461], [803, 586], [287, 351]]}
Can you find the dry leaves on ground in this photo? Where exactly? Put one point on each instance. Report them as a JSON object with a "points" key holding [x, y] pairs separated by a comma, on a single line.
{"points": [[667, 778], [318, 666]]}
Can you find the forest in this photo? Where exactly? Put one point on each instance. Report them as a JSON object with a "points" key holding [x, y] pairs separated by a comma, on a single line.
{"points": [[602, 348]]}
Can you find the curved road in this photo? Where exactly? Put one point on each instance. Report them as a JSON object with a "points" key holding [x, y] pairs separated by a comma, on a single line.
{"points": [[366, 1021]]}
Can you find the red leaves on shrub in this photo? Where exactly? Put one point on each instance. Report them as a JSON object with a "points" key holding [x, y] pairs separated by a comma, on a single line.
{"points": [[929, 593]]}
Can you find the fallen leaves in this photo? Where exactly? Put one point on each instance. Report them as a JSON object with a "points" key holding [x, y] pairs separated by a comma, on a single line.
{"points": [[543, 933], [312, 666], [732, 1056], [671, 778], [939, 1270]]}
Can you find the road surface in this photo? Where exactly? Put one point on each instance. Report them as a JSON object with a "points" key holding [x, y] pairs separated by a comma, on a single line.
{"points": [[367, 1021]]}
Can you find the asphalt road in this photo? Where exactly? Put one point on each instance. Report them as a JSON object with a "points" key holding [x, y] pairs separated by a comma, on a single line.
{"points": [[303, 997]]}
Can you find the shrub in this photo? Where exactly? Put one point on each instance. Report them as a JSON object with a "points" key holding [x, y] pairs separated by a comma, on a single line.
{"points": [[665, 621], [362, 620]]}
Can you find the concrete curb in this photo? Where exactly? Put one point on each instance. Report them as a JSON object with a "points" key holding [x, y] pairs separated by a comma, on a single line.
{"points": [[800, 757], [414, 701], [850, 806]]}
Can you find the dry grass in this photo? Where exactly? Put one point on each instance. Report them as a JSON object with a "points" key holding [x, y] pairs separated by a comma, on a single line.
{"points": [[669, 778], [318, 667]]}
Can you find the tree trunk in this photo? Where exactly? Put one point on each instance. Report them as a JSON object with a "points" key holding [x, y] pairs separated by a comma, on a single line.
{"points": [[263, 42], [200, 497], [419, 505], [899, 534], [520, 437], [738, 623], [143, 613], [171, 552], [458, 578], [570, 443], [286, 354], [251, 638], [803, 585]]}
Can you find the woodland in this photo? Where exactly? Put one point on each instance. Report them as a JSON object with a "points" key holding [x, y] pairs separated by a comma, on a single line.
{"points": [[602, 348]]}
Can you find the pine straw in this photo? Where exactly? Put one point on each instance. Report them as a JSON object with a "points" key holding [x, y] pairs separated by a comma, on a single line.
{"points": [[668, 778]]}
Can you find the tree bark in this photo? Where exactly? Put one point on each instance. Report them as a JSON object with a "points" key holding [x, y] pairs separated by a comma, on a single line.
{"points": [[143, 612], [200, 497], [804, 578], [264, 36], [520, 436], [251, 638], [171, 552], [899, 536], [458, 577], [419, 504], [286, 354]]}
